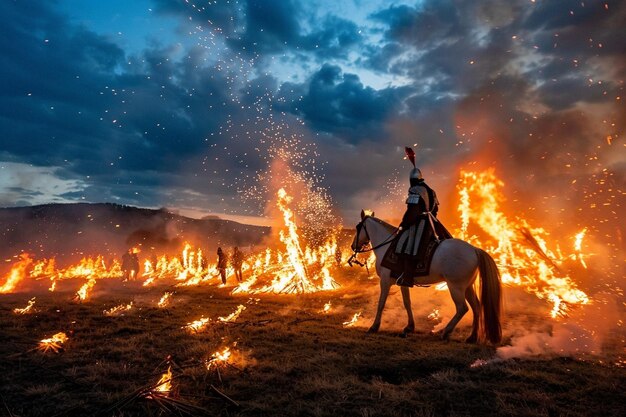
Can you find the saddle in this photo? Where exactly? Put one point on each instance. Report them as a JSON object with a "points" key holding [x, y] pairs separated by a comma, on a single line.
{"points": [[425, 251]]}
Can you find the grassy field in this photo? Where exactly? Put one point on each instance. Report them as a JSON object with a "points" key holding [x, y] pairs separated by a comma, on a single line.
{"points": [[288, 359]]}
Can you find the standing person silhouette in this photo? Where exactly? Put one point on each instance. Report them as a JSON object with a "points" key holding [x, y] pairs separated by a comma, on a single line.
{"points": [[222, 263]]}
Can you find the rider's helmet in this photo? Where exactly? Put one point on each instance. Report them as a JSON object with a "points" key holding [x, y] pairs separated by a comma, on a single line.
{"points": [[415, 174]]}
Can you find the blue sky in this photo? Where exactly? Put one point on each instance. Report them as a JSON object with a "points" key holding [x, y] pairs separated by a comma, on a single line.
{"points": [[184, 104]]}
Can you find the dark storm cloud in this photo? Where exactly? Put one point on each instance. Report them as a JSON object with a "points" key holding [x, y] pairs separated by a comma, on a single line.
{"points": [[72, 98], [535, 81], [339, 103]]}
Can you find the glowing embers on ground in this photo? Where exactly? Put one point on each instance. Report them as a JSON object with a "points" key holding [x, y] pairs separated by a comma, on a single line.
{"points": [[119, 310], [83, 292], [54, 343], [219, 359], [294, 270], [197, 325], [521, 251], [26, 310], [233, 316], [165, 300], [353, 320]]}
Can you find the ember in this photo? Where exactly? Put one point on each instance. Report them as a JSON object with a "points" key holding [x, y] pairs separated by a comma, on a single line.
{"points": [[118, 310], [53, 343], [197, 325], [352, 321], [26, 310], [326, 308], [164, 385], [233, 316], [219, 358], [165, 300]]}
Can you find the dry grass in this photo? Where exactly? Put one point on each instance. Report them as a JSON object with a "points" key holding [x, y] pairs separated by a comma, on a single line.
{"points": [[289, 360]]}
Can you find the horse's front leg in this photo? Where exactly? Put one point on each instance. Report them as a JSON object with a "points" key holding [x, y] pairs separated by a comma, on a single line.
{"points": [[385, 286], [406, 299]]}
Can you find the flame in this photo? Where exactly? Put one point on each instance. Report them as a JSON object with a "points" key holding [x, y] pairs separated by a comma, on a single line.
{"points": [[233, 316], [578, 242], [17, 273], [435, 315], [326, 308], [219, 358], [27, 309], [197, 325], [165, 300], [119, 310], [352, 321], [164, 385], [53, 343], [83, 292], [521, 251], [296, 269], [189, 268]]}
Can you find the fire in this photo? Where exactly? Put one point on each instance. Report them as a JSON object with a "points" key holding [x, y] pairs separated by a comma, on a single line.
{"points": [[119, 310], [197, 325], [326, 308], [352, 321], [219, 358], [435, 315], [521, 251], [578, 247], [164, 385], [190, 268], [233, 316], [17, 274], [53, 343], [165, 300], [83, 292], [296, 269], [26, 310]]}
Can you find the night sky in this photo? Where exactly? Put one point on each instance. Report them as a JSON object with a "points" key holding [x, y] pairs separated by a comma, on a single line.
{"points": [[185, 104]]}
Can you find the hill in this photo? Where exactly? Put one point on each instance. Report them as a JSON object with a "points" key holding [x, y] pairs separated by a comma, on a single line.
{"points": [[73, 230]]}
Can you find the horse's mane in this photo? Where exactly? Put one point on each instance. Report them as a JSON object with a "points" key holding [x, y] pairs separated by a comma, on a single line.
{"points": [[383, 223]]}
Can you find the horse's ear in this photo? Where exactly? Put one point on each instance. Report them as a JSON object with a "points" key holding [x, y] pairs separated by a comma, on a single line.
{"points": [[362, 214], [373, 215]]}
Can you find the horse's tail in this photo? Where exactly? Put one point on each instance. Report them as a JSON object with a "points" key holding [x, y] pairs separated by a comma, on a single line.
{"points": [[490, 297]]}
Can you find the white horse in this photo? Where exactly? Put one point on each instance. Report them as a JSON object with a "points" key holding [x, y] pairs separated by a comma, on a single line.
{"points": [[457, 263]]}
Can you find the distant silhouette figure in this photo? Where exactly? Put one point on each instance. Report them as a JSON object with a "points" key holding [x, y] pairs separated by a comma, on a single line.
{"points": [[237, 262], [222, 263], [127, 264], [134, 265]]}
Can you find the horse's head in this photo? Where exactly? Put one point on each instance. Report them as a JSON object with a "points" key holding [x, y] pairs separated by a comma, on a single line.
{"points": [[361, 238]]}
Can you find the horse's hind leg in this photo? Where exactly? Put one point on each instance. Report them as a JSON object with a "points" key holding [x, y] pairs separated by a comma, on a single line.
{"points": [[385, 286], [458, 296], [406, 299], [472, 299]]}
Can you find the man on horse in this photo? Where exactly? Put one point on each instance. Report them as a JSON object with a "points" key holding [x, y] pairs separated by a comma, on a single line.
{"points": [[419, 232]]}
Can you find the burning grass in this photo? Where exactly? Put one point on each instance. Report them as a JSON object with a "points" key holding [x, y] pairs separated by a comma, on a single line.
{"points": [[282, 355]]}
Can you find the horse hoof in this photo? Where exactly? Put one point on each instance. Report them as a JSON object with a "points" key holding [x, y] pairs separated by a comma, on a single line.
{"points": [[408, 330], [372, 330], [445, 337], [403, 335], [471, 339]]}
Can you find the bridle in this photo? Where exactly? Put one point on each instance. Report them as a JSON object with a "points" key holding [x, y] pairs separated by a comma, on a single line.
{"points": [[356, 251]]}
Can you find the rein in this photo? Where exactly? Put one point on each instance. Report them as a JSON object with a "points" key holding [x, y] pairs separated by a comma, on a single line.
{"points": [[360, 226]]}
